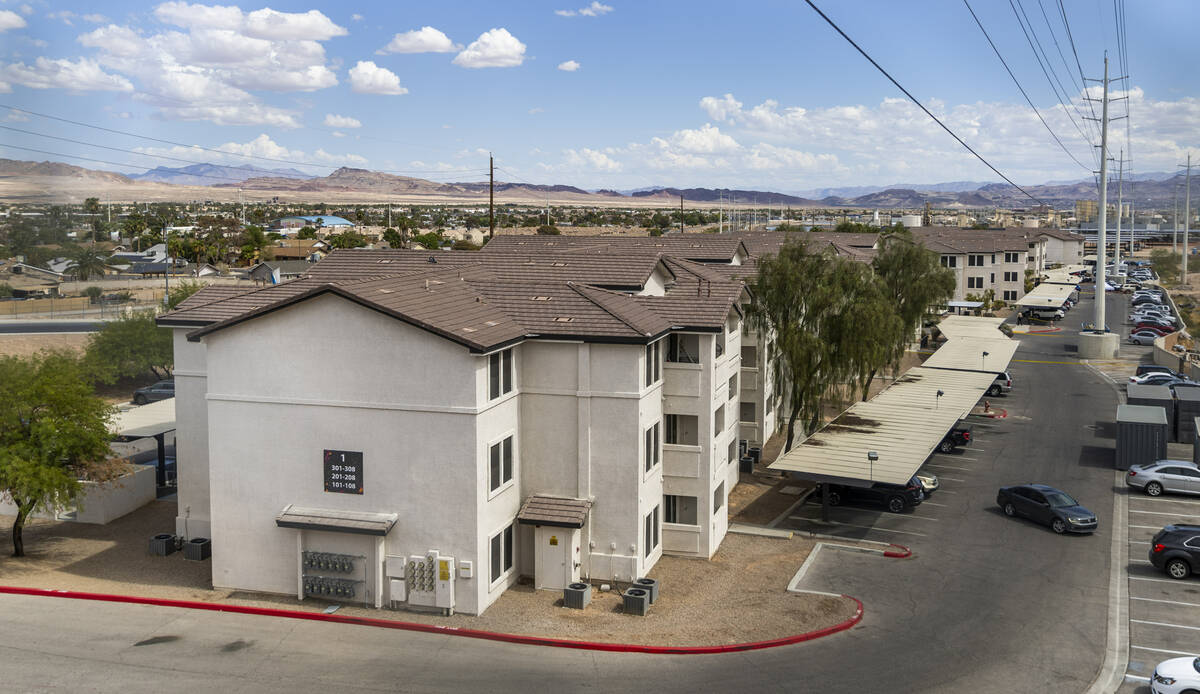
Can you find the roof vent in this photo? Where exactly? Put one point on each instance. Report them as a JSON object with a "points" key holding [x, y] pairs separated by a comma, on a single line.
{"points": [[559, 264], [384, 260], [432, 259], [469, 330], [491, 323], [539, 298], [564, 319]]}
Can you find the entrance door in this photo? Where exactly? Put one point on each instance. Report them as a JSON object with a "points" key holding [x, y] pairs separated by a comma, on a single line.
{"points": [[554, 550]]}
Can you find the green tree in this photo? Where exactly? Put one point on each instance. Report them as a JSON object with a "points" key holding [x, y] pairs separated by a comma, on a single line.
{"points": [[347, 239], [130, 347], [914, 278], [91, 206], [1166, 265], [93, 293], [54, 431], [85, 263], [181, 291], [254, 240], [394, 238], [548, 230], [306, 233], [6, 290], [464, 245], [429, 240], [134, 225]]}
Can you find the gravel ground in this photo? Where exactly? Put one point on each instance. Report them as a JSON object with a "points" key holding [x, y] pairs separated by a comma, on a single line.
{"points": [[26, 345], [740, 595]]}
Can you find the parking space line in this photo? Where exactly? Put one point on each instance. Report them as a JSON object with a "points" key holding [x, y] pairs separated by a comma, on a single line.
{"points": [[1162, 650], [948, 467], [930, 503], [1154, 580], [890, 515], [1164, 513], [1141, 561], [1168, 602], [1160, 500], [1147, 527], [1165, 624], [1139, 678], [866, 527], [946, 491], [969, 460], [952, 479], [977, 450], [1139, 542]]}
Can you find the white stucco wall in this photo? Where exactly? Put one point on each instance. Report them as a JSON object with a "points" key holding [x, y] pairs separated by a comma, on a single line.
{"points": [[191, 437]]}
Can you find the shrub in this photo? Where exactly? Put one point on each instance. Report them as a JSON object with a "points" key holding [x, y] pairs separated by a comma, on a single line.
{"points": [[548, 230]]}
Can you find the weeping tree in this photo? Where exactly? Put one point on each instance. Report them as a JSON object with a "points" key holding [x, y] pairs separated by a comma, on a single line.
{"points": [[913, 280], [53, 433]]}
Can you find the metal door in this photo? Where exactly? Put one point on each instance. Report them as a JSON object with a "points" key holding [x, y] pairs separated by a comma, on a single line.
{"points": [[552, 548]]}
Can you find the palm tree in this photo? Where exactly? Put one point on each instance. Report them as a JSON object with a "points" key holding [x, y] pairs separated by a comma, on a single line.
{"points": [[86, 262]]}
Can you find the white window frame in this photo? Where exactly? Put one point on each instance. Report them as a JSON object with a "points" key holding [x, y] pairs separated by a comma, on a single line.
{"points": [[652, 527], [652, 441], [504, 362], [670, 502], [653, 363], [504, 484], [505, 572], [719, 498]]}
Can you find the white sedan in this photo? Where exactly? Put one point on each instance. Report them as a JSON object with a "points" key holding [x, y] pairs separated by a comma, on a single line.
{"points": [[1143, 337], [1176, 676]]}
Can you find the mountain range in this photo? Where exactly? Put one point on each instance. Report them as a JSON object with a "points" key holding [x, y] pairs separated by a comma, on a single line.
{"points": [[361, 184]]}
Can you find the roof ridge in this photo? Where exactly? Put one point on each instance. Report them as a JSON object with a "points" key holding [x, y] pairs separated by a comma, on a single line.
{"points": [[606, 304]]}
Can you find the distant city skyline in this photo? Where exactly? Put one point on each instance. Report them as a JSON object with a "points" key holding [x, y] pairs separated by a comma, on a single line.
{"points": [[595, 95]]}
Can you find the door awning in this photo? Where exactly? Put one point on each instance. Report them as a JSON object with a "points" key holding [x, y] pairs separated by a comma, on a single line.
{"points": [[561, 512], [354, 522]]}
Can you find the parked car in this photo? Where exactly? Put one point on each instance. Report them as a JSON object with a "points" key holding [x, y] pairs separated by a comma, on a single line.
{"points": [[1155, 378], [1158, 327], [1147, 299], [896, 498], [1143, 369], [1002, 384], [1181, 476], [929, 482], [1047, 313], [960, 435], [1143, 337], [1176, 550], [1047, 505], [1176, 676], [159, 391]]}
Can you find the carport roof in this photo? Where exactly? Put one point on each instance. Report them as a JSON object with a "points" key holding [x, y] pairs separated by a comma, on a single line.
{"points": [[148, 420], [918, 389], [969, 326], [966, 354], [1047, 295]]}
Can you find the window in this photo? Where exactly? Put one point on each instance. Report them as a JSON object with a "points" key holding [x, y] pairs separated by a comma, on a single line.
{"points": [[993, 279], [652, 530], [733, 450], [499, 374], [749, 357], [1010, 277], [975, 261], [733, 389], [500, 464], [502, 553], [949, 261], [719, 420], [974, 283], [747, 413], [652, 447], [718, 497], [1010, 295], [993, 259], [720, 342], [653, 362], [682, 430], [683, 349], [1012, 257], [679, 509]]}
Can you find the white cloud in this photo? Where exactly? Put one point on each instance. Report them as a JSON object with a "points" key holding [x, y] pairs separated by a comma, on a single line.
{"points": [[493, 48], [423, 40], [568, 66], [16, 117], [261, 146], [593, 159], [11, 20], [356, 17], [593, 10], [200, 16], [232, 114], [62, 73], [335, 121], [269, 24], [65, 16], [95, 18], [26, 9], [368, 78], [536, 109], [707, 140], [337, 134]]}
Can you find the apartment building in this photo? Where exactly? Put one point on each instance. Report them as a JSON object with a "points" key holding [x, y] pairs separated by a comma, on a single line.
{"points": [[994, 259], [557, 415], [1062, 247]]}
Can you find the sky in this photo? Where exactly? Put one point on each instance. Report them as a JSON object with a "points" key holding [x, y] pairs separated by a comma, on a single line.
{"points": [[613, 94]]}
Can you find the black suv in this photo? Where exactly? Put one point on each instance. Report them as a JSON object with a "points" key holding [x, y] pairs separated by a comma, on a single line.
{"points": [[159, 391], [960, 435], [1176, 550], [896, 498]]}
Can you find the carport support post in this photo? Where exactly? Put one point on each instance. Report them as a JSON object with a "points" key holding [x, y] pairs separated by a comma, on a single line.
{"points": [[161, 476], [825, 502]]}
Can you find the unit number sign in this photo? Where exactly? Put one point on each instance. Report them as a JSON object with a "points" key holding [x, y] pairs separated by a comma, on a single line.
{"points": [[344, 472]]}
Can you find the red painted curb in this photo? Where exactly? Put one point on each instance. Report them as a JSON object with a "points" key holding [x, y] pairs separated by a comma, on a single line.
{"points": [[902, 553], [449, 631]]}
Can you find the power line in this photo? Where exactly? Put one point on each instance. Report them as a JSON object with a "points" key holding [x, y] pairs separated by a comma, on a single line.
{"points": [[1062, 11], [918, 103], [211, 149], [1070, 74], [1022, 89]]}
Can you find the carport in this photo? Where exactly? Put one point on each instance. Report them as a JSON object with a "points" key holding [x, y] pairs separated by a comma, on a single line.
{"points": [[155, 421], [1047, 295], [888, 438]]}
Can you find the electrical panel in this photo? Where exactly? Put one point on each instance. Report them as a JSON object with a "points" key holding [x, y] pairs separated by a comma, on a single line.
{"points": [[430, 581], [317, 581]]}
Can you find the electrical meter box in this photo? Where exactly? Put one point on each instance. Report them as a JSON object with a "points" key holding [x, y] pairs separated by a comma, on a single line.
{"points": [[430, 581]]}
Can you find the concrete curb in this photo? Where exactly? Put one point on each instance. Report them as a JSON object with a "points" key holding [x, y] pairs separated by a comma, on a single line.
{"points": [[760, 531], [783, 516], [904, 553], [452, 631], [1116, 653]]}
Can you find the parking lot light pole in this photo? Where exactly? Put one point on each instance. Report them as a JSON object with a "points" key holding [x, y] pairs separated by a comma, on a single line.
{"points": [[872, 456], [983, 362], [936, 399]]}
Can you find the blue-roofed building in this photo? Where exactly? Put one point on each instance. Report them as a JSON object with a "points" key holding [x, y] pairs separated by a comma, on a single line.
{"points": [[284, 225]]}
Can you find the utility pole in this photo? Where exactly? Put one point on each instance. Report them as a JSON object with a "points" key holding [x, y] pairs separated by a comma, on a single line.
{"points": [[1120, 209], [720, 213], [1102, 222], [491, 197], [169, 263], [680, 214], [1187, 214], [1175, 215], [243, 204]]}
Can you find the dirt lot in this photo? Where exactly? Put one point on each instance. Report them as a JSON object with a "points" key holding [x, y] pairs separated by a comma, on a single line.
{"points": [[25, 345], [748, 574]]}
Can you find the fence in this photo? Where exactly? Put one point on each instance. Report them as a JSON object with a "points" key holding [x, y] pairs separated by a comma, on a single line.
{"points": [[78, 306]]}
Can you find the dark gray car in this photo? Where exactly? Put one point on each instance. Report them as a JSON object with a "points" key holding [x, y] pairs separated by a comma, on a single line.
{"points": [[1048, 506], [159, 391]]}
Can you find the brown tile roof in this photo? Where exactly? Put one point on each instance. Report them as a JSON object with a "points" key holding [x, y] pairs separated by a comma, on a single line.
{"points": [[561, 512], [974, 241], [705, 247], [1058, 234]]}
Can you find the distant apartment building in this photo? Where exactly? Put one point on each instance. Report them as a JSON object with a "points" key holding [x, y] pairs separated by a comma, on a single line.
{"points": [[1086, 211], [982, 260], [1062, 247]]}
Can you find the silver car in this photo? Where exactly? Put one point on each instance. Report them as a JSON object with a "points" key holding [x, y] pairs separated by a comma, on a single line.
{"points": [[1181, 476]]}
